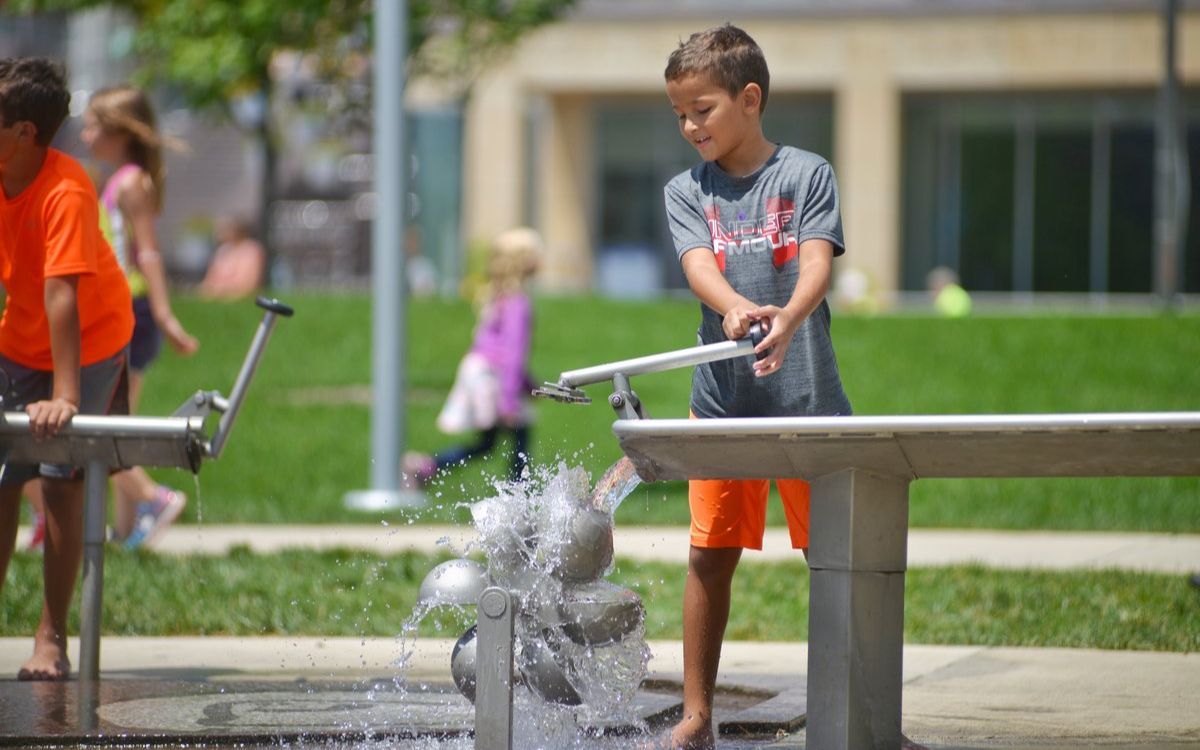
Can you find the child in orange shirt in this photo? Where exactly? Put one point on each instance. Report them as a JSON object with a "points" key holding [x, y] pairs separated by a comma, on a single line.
{"points": [[65, 331]]}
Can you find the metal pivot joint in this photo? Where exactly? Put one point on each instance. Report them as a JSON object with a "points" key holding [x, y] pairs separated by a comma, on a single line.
{"points": [[624, 401]]}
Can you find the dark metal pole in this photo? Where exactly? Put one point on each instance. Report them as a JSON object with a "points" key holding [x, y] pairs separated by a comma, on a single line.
{"points": [[1171, 173]]}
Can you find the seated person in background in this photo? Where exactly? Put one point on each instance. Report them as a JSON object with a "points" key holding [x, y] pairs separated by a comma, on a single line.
{"points": [[237, 265], [949, 298]]}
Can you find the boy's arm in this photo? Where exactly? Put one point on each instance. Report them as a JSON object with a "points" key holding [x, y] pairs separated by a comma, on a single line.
{"points": [[816, 264], [62, 312], [709, 284]]}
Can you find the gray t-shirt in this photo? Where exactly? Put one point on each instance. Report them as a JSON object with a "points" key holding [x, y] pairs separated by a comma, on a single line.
{"points": [[754, 225]]}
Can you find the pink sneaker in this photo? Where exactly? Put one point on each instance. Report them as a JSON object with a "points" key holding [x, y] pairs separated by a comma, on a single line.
{"points": [[417, 469], [37, 540], [155, 515]]}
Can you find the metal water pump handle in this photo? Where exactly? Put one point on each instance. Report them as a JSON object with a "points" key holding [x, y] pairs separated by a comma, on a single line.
{"points": [[567, 387]]}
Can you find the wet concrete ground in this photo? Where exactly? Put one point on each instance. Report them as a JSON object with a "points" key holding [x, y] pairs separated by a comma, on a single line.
{"points": [[339, 693], [369, 715], [375, 713]]}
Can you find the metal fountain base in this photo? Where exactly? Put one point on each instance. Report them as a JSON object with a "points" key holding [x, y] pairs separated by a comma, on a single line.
{"points": [[141, 712]]}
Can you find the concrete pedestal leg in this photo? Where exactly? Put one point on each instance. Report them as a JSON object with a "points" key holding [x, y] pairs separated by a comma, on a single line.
{"points": [[494, 670], [91, 603], [857, 557]]}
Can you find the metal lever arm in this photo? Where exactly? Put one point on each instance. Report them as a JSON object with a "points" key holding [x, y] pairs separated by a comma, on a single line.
{"points": [[273, 308], [696, 355]]}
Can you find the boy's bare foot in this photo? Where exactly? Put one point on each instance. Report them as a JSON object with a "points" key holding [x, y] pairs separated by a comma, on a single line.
{"points": [[693, 733], [49, 660]]}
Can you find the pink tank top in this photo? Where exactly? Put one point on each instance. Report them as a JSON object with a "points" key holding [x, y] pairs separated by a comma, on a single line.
{"points": [[119, 236]]}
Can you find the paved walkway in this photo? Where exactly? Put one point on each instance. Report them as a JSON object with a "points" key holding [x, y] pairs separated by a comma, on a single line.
{"points": [[1161, 553], [954, 696]]}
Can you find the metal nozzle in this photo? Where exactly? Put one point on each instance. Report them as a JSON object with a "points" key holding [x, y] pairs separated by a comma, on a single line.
{"points": [[562, 393]]}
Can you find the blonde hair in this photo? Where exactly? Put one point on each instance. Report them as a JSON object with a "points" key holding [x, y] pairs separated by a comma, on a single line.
{"points": [[515, 256], [125, 109]]}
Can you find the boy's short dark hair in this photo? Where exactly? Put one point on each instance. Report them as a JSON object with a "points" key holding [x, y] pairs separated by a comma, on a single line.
{"points": [[725, 54], [34, 89]]}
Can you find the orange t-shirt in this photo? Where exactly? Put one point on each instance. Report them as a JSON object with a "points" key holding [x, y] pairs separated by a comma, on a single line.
{"points": [[52, 228]]}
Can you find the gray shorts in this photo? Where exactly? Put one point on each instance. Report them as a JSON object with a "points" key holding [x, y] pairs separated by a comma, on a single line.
{"points": [[103, 389]]}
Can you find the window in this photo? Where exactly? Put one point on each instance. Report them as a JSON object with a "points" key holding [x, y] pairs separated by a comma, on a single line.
{"points": [[1038, 192]]}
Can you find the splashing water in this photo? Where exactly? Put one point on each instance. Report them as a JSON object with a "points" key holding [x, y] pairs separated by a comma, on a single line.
{"points": [[548, 541], [199, 499], [618, 483]]}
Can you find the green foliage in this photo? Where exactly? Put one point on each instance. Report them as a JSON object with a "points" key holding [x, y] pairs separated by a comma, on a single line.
{"points": [[216, 50], [355, 593]]}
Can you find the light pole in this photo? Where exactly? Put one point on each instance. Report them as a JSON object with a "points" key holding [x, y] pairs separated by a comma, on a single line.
{"points": [[388, 325]]}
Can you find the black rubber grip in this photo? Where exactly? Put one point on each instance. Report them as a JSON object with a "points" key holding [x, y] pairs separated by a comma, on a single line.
{"points": [[275, 306], [757, 336]]}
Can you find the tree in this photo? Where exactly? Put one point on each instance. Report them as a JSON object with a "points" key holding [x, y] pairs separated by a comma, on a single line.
{"points": [[216, 52]]}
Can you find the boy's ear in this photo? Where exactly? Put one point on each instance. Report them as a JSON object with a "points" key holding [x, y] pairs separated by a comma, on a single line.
{"points": [[26, 129], [752, 96]]}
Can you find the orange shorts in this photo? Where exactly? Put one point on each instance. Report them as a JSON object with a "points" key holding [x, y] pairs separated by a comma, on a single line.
{"points": [[733, 512]]}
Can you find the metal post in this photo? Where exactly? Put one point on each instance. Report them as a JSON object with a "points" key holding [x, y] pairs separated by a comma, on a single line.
{"points": [[857, 558], [258, 344], [1100, 185], [1171, 184], [494, 670], [387, 264], [1024, 189], [91, 606], [89, 703]]}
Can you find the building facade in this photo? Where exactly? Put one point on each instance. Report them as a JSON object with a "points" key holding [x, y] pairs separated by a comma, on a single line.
{"points": [[1012, 141]]}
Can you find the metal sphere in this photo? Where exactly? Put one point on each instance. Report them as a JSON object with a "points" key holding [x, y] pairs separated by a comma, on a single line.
{"points": [[462, 664], [542, 671], [588, 549], [458, 582], [600, 613]]}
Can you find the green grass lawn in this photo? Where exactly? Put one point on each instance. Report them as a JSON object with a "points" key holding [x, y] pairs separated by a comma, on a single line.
{"points": [[354, 593], [302, 440]]}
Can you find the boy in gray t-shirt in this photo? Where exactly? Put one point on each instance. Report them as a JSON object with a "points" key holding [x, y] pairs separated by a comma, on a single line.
{"points": [[756, 227]]}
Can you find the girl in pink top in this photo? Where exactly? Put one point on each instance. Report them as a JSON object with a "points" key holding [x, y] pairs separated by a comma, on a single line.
{"points": [[491, 390], [119, 129]]}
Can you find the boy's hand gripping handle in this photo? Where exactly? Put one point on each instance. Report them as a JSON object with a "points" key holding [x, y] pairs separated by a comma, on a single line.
{"points": [[756, 336]]}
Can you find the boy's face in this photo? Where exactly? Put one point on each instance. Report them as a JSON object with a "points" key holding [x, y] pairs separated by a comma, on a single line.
{"points": [[714, 122]]}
